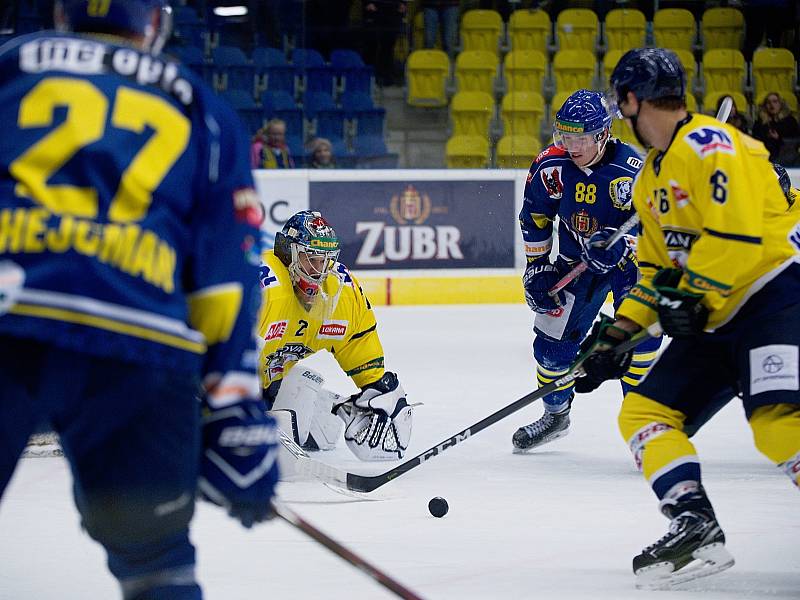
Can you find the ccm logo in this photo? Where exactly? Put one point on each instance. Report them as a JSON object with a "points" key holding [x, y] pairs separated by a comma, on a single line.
{"points": [[275, 330], [332, 330]]}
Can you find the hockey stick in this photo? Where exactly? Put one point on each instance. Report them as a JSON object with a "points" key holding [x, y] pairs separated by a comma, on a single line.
{"points": [[368, 483], [722, 115], [296, 521], [582, 266]]}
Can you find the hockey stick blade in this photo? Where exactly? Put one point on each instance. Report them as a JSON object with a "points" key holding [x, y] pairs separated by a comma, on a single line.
{"points": [[296, 521], [369, 483], [725, 109], [632, 221]]}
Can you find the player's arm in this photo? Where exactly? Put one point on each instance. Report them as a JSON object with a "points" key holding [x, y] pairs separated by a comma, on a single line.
{"points": [[238, 468]]}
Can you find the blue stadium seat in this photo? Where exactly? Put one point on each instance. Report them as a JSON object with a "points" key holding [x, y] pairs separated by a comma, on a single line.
{"points": [[369, 145], [193, 57], [245, 107], [346, 59], [313, 102], [370, 122], [304, 58], [352, 102], [188, 27], [331, 124], [272, 70], [319, 79], [232, 70], [272, 100]]}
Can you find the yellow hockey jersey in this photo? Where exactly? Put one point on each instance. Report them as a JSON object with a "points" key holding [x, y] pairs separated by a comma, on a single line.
{"points": [[341, 321], [711, 205]]}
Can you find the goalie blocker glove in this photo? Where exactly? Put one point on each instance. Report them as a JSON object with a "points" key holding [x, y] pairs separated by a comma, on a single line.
{"points": [[601, 365], [680, 313], [599, 257], [538, 280], [239, 467], [377, 420]]}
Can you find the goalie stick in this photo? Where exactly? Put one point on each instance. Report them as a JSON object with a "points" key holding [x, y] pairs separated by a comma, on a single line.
{"points": [[296, 521], [722, 115], [336, 478]]}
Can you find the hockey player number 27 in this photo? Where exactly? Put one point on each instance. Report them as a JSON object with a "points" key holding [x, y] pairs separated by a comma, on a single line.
{"points": [[85, 123]]}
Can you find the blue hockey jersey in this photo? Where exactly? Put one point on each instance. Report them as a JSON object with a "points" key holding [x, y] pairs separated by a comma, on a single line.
{"points": [[584, 200], [127, 199]]}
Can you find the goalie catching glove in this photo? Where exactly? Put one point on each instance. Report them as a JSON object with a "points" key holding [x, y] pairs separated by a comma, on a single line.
{"points": [[239, 467], [602, 362], [377, 420]]}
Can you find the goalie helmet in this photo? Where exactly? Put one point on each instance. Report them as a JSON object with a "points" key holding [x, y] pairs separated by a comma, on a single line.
{"points": [[118, 17], [309, 248], [582, 126]]}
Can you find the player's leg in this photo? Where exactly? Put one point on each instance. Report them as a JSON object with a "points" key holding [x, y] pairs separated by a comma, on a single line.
{"points": [[20, 413], [687, 375], [769, 365], [555, 347], [131, 435]]}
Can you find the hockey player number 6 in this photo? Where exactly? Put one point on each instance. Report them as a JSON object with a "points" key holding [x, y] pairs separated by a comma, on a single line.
{"points": [[85, 123]]}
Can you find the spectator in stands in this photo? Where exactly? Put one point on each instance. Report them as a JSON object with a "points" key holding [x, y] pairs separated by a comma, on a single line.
{"points": [[321, 153], [737, 119], [383, 22], [441, 14], [776, 124], [767, 22], [275, 153], [257, 143]]}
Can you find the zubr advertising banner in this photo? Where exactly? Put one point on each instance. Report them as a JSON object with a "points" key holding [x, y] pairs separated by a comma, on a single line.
{"points": [[420, 224]]}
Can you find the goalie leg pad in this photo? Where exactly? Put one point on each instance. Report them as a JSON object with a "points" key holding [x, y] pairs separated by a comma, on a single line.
{"points": [[298, 393], [326, 428]]}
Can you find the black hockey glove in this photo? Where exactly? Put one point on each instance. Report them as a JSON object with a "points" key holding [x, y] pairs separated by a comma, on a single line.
{"points": [[538, 280], [601, 365], [680, 313]]}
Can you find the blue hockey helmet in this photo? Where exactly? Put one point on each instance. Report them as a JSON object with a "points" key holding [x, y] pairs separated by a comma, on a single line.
{"points": [[119, 17], [309, 248], [649, 73], [582, 126]]}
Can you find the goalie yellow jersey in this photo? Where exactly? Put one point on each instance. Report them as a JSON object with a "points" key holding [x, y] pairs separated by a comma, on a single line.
{"points": [[341, 321], [711, 205]]}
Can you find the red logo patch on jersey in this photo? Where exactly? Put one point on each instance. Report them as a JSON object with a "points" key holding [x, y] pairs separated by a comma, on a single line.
{"points": [[584, 223], [681, 196], [276, 330], [333, 330], [247, 208], [551, 178]]}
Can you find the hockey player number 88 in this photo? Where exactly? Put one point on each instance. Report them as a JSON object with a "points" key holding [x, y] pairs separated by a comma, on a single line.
{"points": [[85, 122], [585, 193]]}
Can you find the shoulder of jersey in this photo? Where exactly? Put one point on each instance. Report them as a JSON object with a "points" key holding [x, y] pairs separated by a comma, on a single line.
{"points": [[704, 136], [273, 275], [627, 159], [551, 153]]}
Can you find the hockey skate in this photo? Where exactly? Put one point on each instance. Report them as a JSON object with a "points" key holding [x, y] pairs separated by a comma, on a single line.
{"points": [[549, 427], [693, 547]]}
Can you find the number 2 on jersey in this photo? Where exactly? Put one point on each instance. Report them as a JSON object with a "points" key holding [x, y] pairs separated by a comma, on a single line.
{"points": [[85, 123]]}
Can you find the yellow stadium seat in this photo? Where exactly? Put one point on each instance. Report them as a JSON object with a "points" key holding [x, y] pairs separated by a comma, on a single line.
{"points": [[529, 30], [475, 71], [711, 99], [787, 95], [722, 27], [577, 29], [773, 70], [689, 65], [625, 29], [522, 113], [467, 152], [621, 130], [524, 70], [610, 61], [426, 74], [723, 69], [691, 102], [517, 151], [481, 29], [472, 113], [573, 70], [674, 28]]}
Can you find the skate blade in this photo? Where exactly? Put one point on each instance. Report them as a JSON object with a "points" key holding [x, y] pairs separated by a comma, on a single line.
{"points": [[709, 560], [547, 440]]}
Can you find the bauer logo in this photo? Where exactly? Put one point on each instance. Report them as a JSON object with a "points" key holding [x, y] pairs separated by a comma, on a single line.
{"points": [[707, 140], [332, 330], [420, 224], [276, 330]]}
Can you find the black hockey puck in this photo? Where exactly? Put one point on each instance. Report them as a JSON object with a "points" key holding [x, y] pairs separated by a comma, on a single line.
{"points": [[438, 507]]}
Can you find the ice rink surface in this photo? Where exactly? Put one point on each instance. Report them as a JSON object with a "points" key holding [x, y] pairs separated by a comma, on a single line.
{"points": [[561, 523]]}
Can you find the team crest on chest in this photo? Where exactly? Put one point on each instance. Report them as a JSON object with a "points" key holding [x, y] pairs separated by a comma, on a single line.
{"points": [[551, 178], [584, 223], [620, 192]]}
